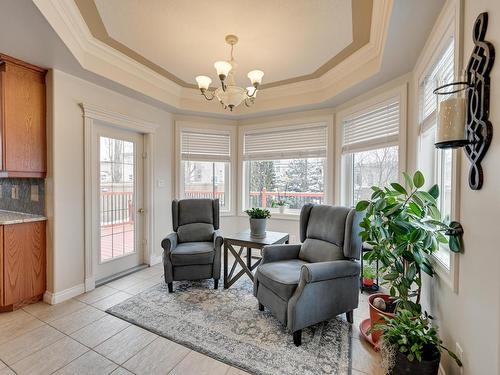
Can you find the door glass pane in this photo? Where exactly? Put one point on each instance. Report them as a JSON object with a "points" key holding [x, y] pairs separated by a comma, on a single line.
{"points": [[117, 198]]}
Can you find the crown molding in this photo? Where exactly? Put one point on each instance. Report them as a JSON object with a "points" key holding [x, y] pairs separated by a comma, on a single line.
{"points": [[99, 58]]}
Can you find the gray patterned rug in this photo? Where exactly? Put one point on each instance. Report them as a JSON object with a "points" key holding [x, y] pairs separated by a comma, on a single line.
{"points": [[227, 325]]}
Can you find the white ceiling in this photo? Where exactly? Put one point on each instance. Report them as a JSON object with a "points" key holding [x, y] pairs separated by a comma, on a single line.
{"points": [[284, 38]]}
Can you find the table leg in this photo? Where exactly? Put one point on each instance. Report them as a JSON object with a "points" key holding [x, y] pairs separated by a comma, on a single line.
{"points": [[249, 257], [225, 267]]}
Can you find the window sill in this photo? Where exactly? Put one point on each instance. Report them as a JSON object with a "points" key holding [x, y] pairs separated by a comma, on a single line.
{"points": [[278, 216]]}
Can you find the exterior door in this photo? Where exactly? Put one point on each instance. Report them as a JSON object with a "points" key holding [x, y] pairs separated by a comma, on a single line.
{"points": [[118, 203]]}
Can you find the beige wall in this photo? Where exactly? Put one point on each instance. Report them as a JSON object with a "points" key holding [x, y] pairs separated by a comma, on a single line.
{"points": [[65, 180], [471, 317]]}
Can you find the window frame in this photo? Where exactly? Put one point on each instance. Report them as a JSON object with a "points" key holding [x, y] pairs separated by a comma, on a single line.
{"points": [[209, 128], [344, 163], [283, 125], [448, 25]]}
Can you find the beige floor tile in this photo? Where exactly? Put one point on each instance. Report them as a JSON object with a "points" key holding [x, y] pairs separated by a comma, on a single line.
{"points": [[89, 363], [48, 313], [2, 365], [51, 358], [142, 286], [6, 371], [124, 282], [99, 331], [31, 342], [159, 357], [125, 344], [121, 371], [198, 364], [114, 299], [18, 327], [149, 273], [77, 320], [8, 317], [364, 358], [236, 371], [96, 294]]}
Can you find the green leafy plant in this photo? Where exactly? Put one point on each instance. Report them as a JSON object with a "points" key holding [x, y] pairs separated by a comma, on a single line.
{"points": [[369, 272], [404, 227], [413, 336], [258, 213], [278, 203]]}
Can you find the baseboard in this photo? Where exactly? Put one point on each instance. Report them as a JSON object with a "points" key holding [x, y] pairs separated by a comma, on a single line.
{"points": [[155, 260], [64, 295]]}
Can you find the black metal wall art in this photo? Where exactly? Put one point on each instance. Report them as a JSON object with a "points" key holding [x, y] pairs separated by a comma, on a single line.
{"points": [[479, 128]]}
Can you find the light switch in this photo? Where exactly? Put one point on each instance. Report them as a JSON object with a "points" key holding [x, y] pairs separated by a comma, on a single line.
{"points": [[161, 182], [34, 193], [15, 192]]}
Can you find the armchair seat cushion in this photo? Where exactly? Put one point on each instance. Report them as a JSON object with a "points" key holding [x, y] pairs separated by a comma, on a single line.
{"points": [[191, 253], [281, 277]]}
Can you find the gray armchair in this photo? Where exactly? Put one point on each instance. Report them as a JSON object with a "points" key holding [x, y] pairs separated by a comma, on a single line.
{"points": [[193, 250], [317, 280]]}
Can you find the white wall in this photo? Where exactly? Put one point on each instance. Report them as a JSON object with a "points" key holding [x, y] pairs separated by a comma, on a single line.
{"points": [[471, 316], [65, 179]]}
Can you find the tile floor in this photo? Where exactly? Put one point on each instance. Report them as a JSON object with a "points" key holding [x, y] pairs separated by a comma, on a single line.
{"points": [[78, 337]]}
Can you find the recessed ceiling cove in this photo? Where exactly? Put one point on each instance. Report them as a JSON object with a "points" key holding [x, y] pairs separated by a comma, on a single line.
{"points": [[290, 41]]}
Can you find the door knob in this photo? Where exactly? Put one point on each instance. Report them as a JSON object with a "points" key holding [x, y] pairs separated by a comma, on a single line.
{"points": [[140, 210]]}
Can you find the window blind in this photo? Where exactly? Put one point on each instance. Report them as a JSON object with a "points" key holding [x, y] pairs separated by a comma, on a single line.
{"points": [[372, 128], [305, 142], [207, 146], [440, 74]]}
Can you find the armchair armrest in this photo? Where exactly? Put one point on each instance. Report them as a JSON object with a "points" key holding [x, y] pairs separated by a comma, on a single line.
{"points": [[170, 242], [218, 239], [335, 269], [275, 253]]}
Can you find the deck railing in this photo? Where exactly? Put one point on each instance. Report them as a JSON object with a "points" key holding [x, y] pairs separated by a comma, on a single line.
{"points": [[116, 208]]}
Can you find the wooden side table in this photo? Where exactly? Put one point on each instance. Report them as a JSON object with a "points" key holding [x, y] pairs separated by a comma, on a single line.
{"points": [[244, 240]]}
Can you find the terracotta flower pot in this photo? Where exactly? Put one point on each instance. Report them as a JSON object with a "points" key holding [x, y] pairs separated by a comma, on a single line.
{"points": [[376, 314], [368, 282]]}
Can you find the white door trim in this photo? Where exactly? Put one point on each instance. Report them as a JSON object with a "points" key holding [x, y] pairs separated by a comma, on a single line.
{"points": [[91, 114]]}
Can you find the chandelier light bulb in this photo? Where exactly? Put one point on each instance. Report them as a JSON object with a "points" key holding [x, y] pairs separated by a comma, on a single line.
{"points": [[203, 82], [255, 77], [223, 68]]}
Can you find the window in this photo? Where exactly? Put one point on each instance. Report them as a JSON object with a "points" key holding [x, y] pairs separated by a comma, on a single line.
{"points": [[205, 166], [370, 150], [285, 164], [437, 165]]}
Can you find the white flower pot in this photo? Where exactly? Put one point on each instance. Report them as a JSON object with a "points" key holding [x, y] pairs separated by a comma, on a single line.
{"points": [[282, 209], [258, 227]]}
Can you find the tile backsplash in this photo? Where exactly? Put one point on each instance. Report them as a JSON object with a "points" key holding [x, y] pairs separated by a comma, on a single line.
{"points": [[23, 195]]}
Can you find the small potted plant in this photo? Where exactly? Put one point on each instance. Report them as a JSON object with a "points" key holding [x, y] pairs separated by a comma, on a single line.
{"points": [[258, 221], [369, 276], [280, 204], [410, 345]]}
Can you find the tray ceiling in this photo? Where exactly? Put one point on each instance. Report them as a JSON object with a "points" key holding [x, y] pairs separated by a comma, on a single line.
{"points": [[290, 41]]}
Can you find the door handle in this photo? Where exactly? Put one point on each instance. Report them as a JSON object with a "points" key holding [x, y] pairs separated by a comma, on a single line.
{"points": [[140, 210]]}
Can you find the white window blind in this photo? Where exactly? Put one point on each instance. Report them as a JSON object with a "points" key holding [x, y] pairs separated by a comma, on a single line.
{"points": [[440, 74], [372, 128], [309, 141], [207, 146]]}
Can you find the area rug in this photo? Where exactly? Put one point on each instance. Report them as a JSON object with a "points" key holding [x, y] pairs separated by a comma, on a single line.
{"points": [[227, 325]]}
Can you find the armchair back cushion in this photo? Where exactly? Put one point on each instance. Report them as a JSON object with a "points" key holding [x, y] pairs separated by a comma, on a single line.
{"points": [[195, 220], [326, 233]]}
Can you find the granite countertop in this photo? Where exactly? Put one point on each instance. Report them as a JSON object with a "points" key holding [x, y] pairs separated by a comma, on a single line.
{"points": [[10, 217]]}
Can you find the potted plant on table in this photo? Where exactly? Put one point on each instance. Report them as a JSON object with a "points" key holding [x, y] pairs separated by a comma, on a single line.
{"points": [[280, 204], [258, 221], [404, 227], [410, 345]]}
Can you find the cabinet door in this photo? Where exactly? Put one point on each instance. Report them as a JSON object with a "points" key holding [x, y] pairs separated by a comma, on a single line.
{"points": [[24, 261], [24, 120]]}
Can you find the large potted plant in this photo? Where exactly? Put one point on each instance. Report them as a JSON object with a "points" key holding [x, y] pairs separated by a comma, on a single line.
{"points": [[258, 221], [404, 227], [410, 345]]}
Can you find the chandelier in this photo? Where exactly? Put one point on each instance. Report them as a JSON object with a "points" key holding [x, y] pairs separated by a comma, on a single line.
{"points": [[230, 95]]}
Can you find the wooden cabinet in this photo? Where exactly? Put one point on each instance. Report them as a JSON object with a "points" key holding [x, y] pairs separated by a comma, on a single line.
{"points": [[22, 119], [23, 264]]}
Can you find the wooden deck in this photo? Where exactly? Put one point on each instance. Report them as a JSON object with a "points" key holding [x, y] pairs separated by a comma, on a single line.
{"points": [[117, 240]]}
